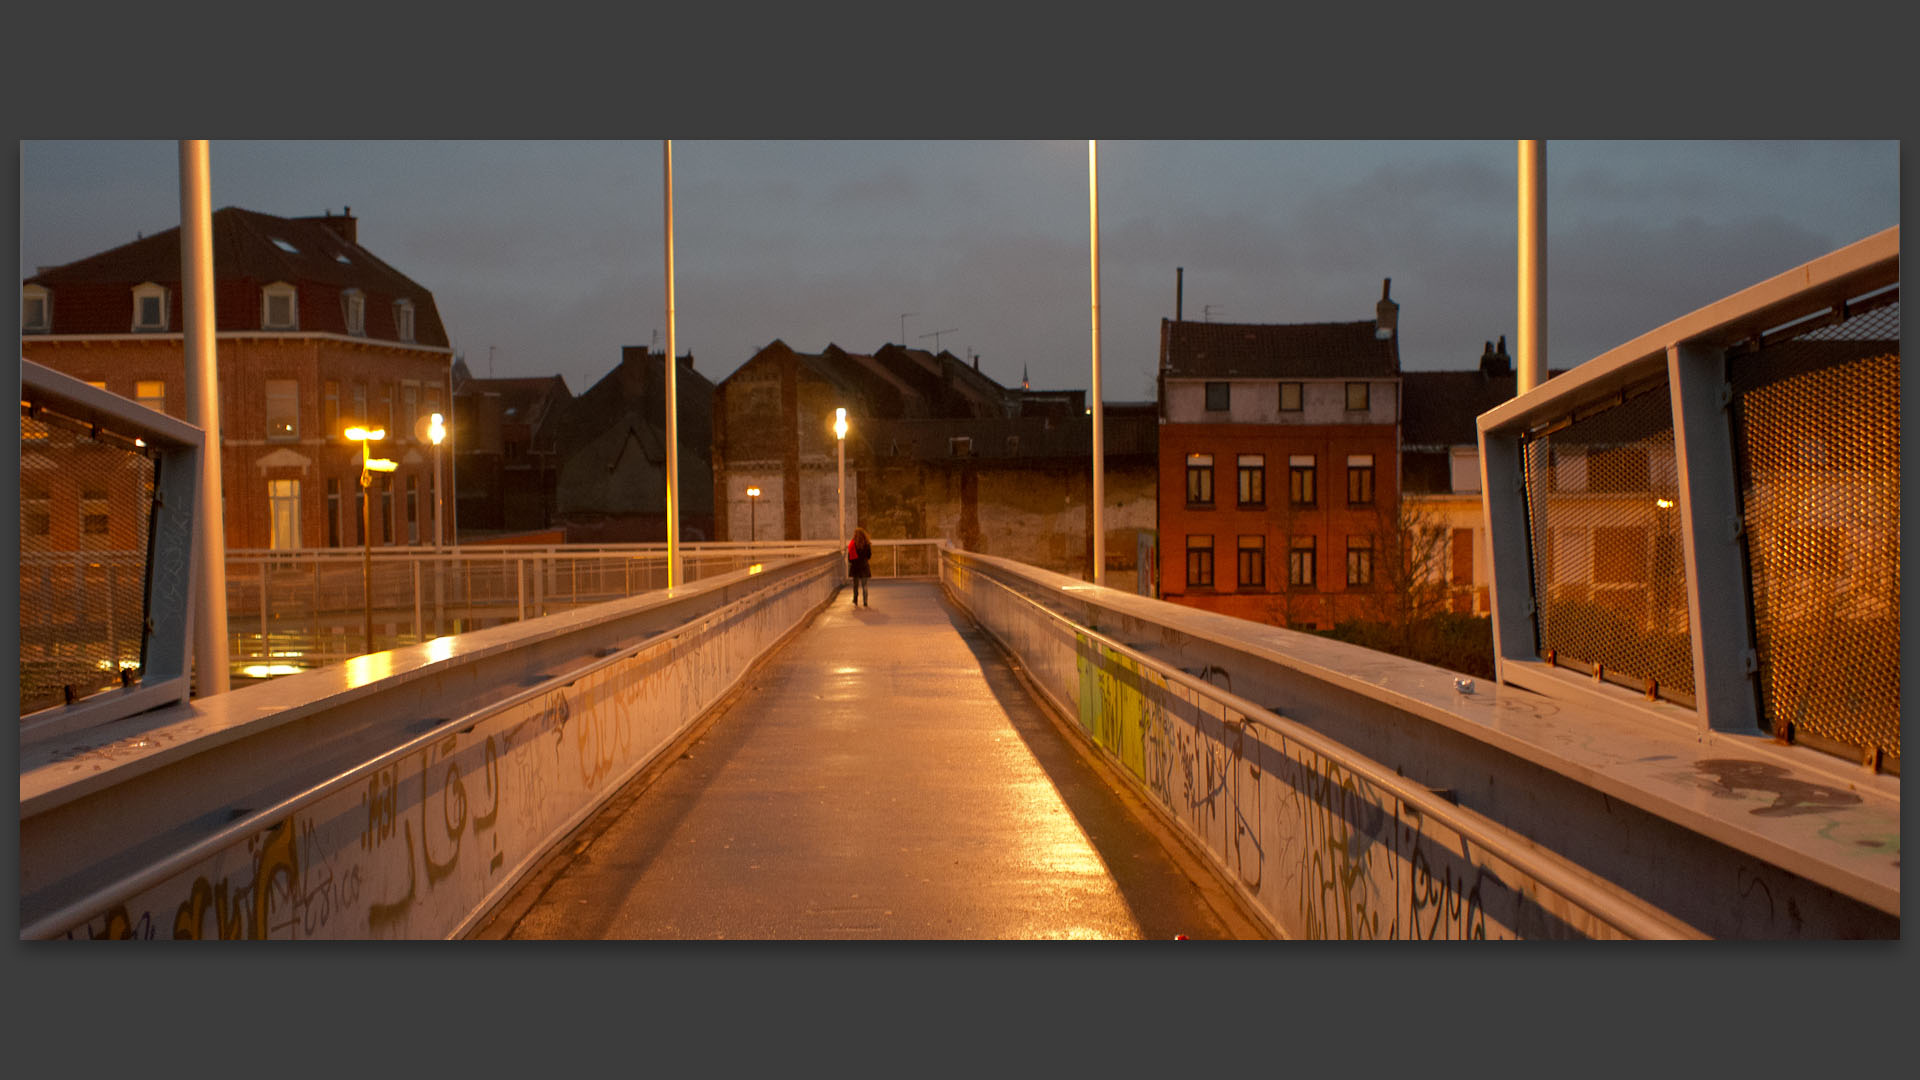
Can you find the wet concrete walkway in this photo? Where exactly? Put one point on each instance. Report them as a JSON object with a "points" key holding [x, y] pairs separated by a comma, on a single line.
{"points": [[884, 775]]}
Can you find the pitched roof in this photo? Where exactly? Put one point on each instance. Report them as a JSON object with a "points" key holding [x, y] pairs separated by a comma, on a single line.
{"points": [[260, 249], [1439, 408], [1280, 350], [1127, 432]]}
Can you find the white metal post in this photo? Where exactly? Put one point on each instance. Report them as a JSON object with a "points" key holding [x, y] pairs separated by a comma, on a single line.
{"points": [[1533, 265], [840, 482], [207, 615], [673, 399], [1099, 446]]}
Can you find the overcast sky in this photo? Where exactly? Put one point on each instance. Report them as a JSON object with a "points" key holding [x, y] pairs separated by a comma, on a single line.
{"points": [[549, 255]]}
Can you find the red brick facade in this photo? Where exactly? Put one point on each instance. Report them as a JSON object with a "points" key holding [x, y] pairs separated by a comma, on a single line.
{"points": [[1330, 520]]}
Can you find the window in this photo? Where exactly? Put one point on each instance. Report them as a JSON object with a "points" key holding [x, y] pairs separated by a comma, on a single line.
{"points": [[333, 511], [1013, 446], [330, 409], [149, 307], [152, 393], [93, 511], [403, 319], [1199, 479], [36, 309], [1253, 562], [1219, 396], [1357, 397], [960, 446], [1465, 470], [1359, 479], [36, 511], [386, 508], [360, 414], [1253, 479], [1300, 480], [283, 503], [354, 305], [1359, 560], [1300, 561], [1200, 561], [413, 511], [283, 409], [1463, 556], [1620, 554], [409, 411], [278, 309], [1290, 397], [384, 407]]}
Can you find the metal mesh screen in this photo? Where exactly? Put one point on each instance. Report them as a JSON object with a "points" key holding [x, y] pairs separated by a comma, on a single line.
{"points": [[1816, 425], [1609, 565], [86, 503]]}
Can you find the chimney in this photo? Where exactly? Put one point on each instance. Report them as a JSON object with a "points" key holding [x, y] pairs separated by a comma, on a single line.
{"points": [[344, 226], [1496, 361], [1386, 314], [1179, 290]]}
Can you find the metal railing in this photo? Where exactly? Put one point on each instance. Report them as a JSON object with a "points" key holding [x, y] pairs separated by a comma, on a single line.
{"points": [[1321, 841], [1704, 522]]}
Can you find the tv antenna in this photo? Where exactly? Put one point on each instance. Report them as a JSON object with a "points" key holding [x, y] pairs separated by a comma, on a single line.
{"points": [[1206, 311], [903, 326], [936, 336]]}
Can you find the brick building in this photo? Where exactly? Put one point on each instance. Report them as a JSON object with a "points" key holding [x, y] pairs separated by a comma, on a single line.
{"points": [[935, 448], [610, 454], [1279, 466], [503, 457], [313, 333]]}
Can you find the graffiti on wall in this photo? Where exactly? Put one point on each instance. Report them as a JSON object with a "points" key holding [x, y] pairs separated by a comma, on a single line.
{"points": [[410, 849]]}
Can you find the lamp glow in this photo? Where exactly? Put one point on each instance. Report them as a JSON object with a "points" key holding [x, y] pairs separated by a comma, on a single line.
{"points": [[839, 423]]}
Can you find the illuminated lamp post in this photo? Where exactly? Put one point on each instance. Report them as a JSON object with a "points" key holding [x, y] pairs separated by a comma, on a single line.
{"points": [[753, 509], [368, 466], [840, 441]]}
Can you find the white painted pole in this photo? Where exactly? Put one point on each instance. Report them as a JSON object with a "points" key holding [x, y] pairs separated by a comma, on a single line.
{"points": [[1532, 361], [673, 398], [840, 483], [1099, 409], [208, 612]]}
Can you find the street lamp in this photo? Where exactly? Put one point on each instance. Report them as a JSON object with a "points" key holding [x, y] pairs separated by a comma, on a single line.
{"points": [[437, 434], [368, 466], [840, 441], [753, 508]]}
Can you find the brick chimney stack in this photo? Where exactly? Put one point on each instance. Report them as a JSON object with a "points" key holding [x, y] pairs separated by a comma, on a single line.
{"points": [[346, 226], [1386, 314]]}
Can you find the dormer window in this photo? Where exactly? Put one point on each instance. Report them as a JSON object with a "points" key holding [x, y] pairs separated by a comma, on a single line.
{"points": [[355, 303], [36, 309], [149, 307], [278, 307], [403, 319]]}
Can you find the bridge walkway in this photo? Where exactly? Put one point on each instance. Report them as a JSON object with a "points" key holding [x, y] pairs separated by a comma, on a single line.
{"points": [[883, 775]]}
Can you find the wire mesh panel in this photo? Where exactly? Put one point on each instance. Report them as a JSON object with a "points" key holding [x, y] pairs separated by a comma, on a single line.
{"points": [[86, 500], [1816, 421], [1608, 560]]}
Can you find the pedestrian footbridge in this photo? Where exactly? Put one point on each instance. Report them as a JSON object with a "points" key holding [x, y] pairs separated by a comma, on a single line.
{"points": [[989, 751]]}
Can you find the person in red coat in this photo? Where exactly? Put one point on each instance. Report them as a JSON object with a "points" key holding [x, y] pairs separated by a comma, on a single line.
{"points": [[859, 566]]}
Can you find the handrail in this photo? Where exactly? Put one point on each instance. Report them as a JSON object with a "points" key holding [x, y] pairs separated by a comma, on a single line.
{"points": [[1490, 836], [132, 884]]}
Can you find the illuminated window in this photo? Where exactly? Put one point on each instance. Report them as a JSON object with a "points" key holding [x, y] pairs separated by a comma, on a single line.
{"points": [[1300, 561], [283, 504], [152, 393], [1253, 479], [1300, 484], [36, 511], [149, 307], [283, 409], [1359, 479], [1357, 399], [1359, 560], [278, 307], [36, 309], [1253, 562], [93, 511], [1199, 479], [1200, 561], [1290, 397]]}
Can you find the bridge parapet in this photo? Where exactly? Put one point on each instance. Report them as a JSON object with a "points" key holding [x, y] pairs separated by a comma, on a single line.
{"points": [[396, 795], [1350, 793]]}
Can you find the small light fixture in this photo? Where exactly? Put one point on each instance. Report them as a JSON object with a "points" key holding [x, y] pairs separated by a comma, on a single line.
{"points": [[839, 423]]}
